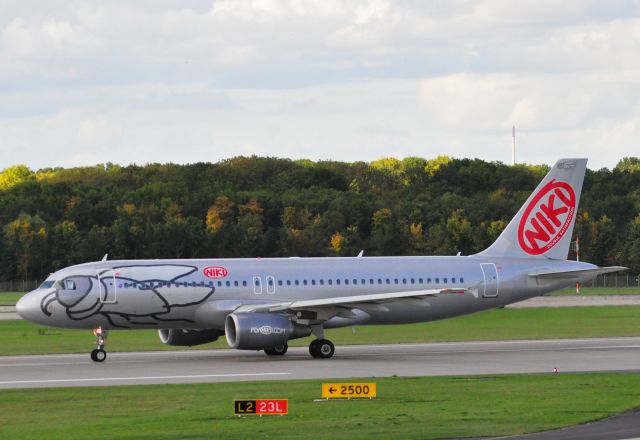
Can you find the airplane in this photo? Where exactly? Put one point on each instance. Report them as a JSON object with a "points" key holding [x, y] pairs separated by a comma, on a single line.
{"points": [[262, 303]]}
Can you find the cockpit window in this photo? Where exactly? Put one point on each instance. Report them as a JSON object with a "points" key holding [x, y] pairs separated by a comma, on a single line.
{"points": [[47, 284], [69, 285]]}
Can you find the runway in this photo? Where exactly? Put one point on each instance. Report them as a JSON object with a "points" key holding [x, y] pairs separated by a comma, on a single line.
{"points": [[435, 359]]}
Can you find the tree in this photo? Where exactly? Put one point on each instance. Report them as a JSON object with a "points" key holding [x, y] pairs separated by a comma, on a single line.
{"points": [[253, 206], [386, 234], [12, 176], [629, 165], [26, 236], [460, 231], [250, 238], [219, 214]]}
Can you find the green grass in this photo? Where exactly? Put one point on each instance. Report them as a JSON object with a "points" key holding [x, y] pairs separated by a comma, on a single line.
{"points": [[21, 337], [10, 298], [425, 408]]}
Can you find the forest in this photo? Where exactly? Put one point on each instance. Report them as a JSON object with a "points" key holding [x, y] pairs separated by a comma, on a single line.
{"points": [[271, 207]]}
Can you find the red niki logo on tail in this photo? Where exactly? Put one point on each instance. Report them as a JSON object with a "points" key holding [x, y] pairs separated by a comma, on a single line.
{"points": [[547, 218]]}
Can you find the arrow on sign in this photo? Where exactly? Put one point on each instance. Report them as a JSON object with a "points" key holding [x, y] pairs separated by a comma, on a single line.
{"points": [[332, 390]]}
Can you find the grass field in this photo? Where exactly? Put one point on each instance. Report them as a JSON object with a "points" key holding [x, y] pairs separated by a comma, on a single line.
{"points": [[9, 298], [425, 408], [21, 337]]}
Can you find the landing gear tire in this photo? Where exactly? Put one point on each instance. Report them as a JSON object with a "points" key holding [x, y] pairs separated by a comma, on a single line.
{"points": [[280, 350], [322, 349], [98, 355]]}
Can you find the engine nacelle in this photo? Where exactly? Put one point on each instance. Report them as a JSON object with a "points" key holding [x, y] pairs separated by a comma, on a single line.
{"points": [[184, 337], [257, 331]]}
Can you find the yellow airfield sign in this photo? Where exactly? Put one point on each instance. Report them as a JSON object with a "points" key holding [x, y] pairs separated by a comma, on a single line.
{"points": [[348, 390]]}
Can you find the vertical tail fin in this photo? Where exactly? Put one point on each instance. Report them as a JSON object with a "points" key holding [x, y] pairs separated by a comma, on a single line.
{"points": [[544, 224]]}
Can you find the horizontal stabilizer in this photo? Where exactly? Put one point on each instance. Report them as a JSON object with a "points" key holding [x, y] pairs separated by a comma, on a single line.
{"points": [[569, 274]]}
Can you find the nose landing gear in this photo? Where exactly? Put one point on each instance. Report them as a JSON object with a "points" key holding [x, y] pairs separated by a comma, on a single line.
{"points": [[98, 354]]}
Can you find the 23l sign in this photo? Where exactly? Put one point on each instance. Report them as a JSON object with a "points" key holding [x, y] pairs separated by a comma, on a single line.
{"points": [[261, 407]]}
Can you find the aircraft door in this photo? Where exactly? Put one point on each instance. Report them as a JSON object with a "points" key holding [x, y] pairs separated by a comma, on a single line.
{"points": [[108, 288], [491, 282], [257, 285], [271, 284]]}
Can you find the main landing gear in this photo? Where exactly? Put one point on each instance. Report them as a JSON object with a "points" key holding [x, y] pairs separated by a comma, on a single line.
{"points": [[277, 351], [98, 354], [322, 349]]}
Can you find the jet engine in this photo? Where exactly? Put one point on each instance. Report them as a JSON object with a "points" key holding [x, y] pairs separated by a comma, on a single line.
{"points": [[257, 331], [185, 337]]}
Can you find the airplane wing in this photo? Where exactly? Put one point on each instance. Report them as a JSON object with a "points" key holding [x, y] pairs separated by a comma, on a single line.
{"points": [[576, 274], [334, 306]]}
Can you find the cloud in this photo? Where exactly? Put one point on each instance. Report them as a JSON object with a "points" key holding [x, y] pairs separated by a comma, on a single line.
{"points": [[189, 80], [48, 38]]}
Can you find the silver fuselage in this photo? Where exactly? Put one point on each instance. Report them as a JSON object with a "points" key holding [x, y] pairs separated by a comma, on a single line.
{"points": [[165, 294]]}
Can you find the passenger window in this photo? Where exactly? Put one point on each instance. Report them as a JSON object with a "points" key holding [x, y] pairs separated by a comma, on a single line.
{"points": [[279, 282], [453, 280], [363, 281], [404, 281], [388, 281], [228, 284], [338, 281], [461, 280], [304, 282], [379, 280], [428, 280], [270, 281], [235, 283], [444, 280], [413, 281], [437, 280], [288, 282], [346, 282], [322, 282], [329, 281], [395, 281], [297, 283], [370, 280], [420, 280]]}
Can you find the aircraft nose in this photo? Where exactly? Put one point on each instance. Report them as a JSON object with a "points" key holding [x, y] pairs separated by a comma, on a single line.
{"points": [[28, 307]]}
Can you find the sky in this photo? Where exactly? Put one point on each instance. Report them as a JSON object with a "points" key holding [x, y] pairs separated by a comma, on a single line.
{"points": [[184, 81]]}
